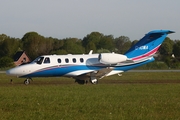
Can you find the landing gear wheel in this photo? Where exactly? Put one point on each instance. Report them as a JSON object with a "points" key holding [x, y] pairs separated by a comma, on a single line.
{"points": [[94, 81], [93, 78], [27, 81]]}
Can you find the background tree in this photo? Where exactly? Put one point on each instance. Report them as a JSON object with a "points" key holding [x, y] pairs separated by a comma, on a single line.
{"points": [[9, 46], [34, 44], [176, 49], [103, 51], [60, 52], [166, 52], [57, 44], [6, 62], [106, 42], [90, 46], [134, 42], [166, 47], [91, 41], [73, 46], [97, 41], [3, 37], [122, 43]]}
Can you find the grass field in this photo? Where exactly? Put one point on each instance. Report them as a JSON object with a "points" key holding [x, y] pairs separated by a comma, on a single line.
{"points": [[133, 96]]}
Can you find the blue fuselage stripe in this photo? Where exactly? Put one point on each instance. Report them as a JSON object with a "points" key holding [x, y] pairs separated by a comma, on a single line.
{"points": [[61, 71]]}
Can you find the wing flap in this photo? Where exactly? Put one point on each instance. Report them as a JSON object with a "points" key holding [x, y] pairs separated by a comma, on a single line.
{"points": [[103, 72]]}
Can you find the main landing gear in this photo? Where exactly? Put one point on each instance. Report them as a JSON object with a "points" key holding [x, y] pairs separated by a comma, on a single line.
{"points": [[92, 79], [82, 82], [27, 81]]}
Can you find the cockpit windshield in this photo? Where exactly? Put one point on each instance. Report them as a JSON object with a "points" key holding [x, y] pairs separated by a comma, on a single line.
{"points": [[39, 60]]}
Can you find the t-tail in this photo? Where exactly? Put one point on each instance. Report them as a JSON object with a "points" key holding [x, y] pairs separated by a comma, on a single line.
{"points": [[148, 45]]}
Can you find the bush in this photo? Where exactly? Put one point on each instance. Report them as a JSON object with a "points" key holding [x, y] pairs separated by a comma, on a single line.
{"points": [[6, 62], [154, 65]]}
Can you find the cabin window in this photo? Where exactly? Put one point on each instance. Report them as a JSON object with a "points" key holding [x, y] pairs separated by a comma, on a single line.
{"points": [[59, 60], [39, 60], [47, 60], [81, 60], [67, 60], [74, 60]]}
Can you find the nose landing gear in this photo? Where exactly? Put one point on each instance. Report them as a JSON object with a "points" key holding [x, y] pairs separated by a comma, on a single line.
{"points": [[27, 81]]}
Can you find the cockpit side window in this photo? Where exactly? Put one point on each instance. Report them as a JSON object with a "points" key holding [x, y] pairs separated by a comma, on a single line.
{"points": [[39, 60], [47, 60]]}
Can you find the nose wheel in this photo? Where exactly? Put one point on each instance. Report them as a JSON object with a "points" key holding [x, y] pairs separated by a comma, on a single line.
{"points": [[27, 81]]}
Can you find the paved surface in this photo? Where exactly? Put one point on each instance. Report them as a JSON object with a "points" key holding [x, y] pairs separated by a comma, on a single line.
{"points": [[60, 82], [153, 71], [137, 71], [2, 71]]}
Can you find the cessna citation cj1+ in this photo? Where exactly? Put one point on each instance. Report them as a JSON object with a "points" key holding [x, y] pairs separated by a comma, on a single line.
{"points": [[91, 67]]}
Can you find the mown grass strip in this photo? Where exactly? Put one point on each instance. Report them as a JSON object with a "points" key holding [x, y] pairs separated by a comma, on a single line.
{"points": [[109, 101]]}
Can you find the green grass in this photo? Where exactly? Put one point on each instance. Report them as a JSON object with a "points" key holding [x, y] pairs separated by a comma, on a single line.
{"points": [[61, 98]]}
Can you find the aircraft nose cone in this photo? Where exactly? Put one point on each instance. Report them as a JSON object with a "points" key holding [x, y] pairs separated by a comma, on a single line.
{"points": [[18, 71], [8, 72], [11, 72]]}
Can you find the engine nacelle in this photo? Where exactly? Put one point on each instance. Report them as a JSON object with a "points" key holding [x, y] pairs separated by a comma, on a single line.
{"points": [[111, 58]]}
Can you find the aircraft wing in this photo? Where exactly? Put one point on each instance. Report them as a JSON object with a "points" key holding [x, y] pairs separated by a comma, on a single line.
{"points": [[98, 74], [101, 73]]}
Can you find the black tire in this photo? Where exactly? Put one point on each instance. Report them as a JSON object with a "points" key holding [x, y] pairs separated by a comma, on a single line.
{"points": [[27, 82]]}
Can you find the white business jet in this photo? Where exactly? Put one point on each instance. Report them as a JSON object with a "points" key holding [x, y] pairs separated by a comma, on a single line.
{"points": [[91, 67]]}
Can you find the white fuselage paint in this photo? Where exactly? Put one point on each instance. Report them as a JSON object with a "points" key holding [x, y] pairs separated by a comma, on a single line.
{"points": [[89, 62]]}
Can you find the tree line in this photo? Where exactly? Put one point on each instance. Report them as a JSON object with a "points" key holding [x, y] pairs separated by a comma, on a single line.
{"points": [[35, 45]]}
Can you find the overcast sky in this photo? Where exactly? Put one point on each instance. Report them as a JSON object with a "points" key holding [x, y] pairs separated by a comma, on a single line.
{"points": [[77, 18]]}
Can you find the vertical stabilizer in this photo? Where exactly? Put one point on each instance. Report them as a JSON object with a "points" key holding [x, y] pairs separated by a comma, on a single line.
{"points": [[148, 45]]}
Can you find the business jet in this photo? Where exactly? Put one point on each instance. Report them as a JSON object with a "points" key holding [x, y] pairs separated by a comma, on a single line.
{"points": [[92, 67]]}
